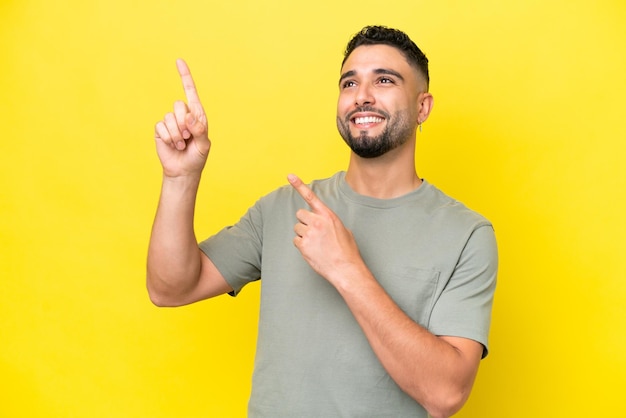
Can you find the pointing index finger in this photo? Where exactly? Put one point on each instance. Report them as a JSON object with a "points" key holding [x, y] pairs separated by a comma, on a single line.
{"points": [[307, 194], [193, 100]]}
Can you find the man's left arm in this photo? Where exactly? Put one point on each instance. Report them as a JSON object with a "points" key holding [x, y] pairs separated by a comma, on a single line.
{"points": [[437, 371]]}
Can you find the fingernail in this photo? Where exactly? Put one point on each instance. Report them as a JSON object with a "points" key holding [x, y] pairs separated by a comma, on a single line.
{"points": [[291, 177], [180, 145]]}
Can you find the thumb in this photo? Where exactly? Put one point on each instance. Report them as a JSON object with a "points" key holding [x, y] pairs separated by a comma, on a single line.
{"points": [[196, 125]]}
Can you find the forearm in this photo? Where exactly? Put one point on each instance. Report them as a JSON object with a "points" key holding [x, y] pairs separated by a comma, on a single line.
{"points": [[438, 372], [174, 262], [425, 366]]}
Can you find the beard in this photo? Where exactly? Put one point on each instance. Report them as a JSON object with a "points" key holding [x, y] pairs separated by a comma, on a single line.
{"points": [[397, 131]]}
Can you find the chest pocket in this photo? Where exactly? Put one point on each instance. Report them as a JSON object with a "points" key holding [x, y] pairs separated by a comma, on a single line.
{"points": [[413, 289]]}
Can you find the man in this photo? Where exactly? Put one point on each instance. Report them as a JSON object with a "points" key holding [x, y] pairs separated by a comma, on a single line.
{"points": [[377, 302]]}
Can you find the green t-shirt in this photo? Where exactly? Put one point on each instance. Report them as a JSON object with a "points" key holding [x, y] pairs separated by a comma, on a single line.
{"points": [[436, 258]]}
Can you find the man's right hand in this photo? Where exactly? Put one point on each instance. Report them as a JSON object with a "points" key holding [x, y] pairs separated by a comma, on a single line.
{"points": [[182, 140]]}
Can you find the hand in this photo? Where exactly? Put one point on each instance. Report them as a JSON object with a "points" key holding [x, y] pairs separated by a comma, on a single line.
{"points": [[322, 239], [182, 140]]}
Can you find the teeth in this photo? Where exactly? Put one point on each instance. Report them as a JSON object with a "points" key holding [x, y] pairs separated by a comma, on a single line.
{"points": [[367, 119]]}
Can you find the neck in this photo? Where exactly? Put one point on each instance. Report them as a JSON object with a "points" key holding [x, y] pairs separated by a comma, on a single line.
{"points": [[385, 177]]}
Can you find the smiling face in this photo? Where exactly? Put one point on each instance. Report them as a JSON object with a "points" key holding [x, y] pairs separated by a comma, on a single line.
{"points": [[379, 100]]}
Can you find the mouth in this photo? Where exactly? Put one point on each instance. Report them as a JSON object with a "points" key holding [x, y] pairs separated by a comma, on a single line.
{"points": [[364, 122]]}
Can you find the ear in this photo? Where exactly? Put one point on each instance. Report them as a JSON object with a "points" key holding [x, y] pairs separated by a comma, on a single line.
{"points": [[425, 102]]}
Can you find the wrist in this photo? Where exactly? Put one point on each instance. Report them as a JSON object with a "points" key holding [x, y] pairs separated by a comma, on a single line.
{"points": [[350, 275], [182, 179], [180, 188]]}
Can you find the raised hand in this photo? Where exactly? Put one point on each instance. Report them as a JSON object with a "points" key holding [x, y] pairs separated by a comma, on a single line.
{"points": [[182, 140], [322, 239]]}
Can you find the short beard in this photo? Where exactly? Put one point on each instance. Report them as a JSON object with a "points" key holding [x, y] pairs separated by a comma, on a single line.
{"points": [[396, 133]]}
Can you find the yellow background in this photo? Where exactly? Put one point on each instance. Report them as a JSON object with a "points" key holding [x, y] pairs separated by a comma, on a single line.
{"points": [[528, 129]]}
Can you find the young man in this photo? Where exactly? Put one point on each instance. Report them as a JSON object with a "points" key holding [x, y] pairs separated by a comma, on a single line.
{"points": [[377, 288]]}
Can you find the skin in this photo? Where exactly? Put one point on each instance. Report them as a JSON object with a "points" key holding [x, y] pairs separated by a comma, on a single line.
{"points": [[178, 273], [437, 371], [379, 77], [390, 114]]}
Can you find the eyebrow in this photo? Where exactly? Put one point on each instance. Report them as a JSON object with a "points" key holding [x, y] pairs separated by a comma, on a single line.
{"points": [[352, 73], [347, 74]]}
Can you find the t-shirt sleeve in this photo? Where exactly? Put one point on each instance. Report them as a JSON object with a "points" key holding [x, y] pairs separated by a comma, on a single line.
{"points": [[236, 250], [464, 307]]}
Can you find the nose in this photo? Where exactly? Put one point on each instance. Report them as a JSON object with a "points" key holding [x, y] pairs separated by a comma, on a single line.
{"points": [[364, 95]]}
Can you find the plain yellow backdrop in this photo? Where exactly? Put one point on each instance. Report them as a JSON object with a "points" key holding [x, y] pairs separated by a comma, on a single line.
{"points": [[528, 129]]}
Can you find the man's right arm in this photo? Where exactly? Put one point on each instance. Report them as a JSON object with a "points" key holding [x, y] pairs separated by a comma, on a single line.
{"points": [[178, 273]]}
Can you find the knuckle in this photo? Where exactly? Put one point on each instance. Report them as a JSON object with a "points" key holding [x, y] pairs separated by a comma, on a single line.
{"points": [[200, 129]]}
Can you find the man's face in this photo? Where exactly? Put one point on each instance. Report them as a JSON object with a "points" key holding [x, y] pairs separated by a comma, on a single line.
{"points": [[377, 109]]}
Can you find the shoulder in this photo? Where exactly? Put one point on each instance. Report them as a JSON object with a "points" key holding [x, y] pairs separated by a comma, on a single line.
{"points": [[447, 209]]}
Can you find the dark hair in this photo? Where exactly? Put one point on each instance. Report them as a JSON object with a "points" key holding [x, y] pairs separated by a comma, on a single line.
{"points": [[376, 35]]}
